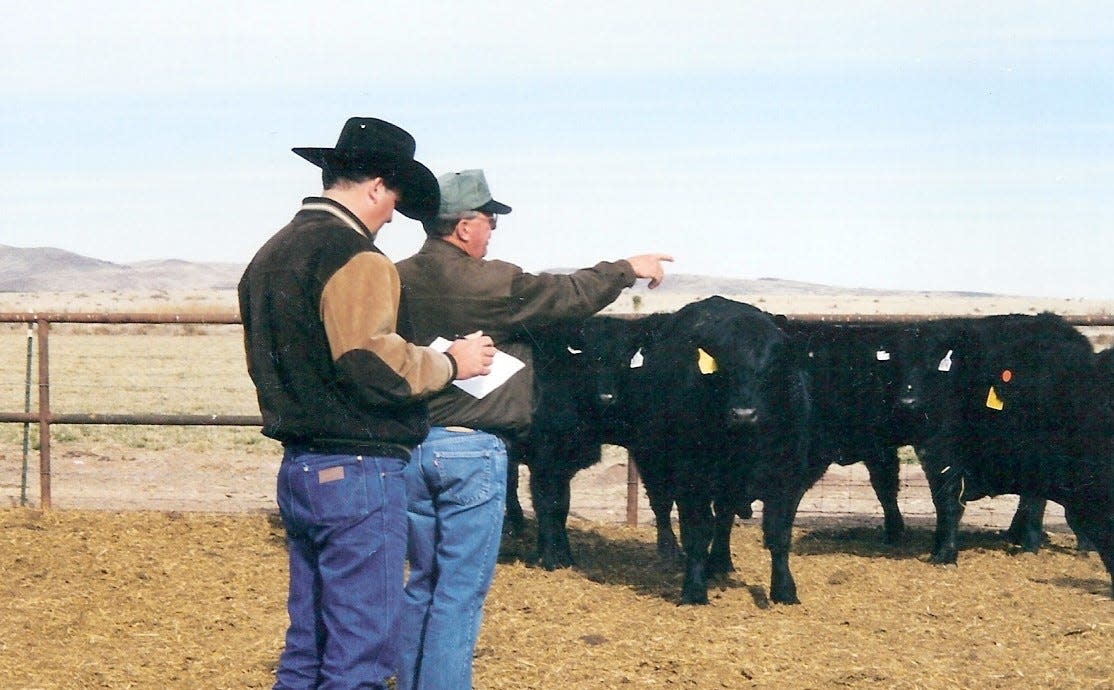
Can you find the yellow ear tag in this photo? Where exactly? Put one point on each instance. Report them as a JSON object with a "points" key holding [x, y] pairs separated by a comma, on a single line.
{"points": [[706, 363], [993, 401]]}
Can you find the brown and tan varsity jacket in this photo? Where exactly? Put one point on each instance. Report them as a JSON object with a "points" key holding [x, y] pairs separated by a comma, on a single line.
{"points": [[449, 293], [319, 304]]}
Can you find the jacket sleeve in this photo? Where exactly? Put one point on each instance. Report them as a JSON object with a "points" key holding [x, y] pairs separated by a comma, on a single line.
{"points": [[359, 308], [545, 297]]}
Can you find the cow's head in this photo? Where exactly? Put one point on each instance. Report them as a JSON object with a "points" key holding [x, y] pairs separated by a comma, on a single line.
{"points": [[936, 360], [611, 358], [748, 365]]}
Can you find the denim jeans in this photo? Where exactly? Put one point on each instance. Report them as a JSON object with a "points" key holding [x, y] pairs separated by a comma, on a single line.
{"points": [[456, 487], [345, 520]]}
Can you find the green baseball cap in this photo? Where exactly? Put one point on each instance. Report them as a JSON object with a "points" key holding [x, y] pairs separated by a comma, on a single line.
{"points": [[467, 190]]}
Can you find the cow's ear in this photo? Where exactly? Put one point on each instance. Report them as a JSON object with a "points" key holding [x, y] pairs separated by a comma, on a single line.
{"points": [[795, 353]]}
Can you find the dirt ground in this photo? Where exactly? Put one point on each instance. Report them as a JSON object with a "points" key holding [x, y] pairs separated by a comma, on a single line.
{"points": [[167, 570], [171, 599]]}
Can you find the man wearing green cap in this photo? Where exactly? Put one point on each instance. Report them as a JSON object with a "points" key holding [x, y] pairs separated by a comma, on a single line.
{"points": [[456, 480]]}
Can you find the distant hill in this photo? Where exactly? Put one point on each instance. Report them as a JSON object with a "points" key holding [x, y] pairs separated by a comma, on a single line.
{"points": [[46, 269]]}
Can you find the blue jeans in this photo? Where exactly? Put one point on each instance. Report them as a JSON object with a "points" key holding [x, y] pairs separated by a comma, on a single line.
{"points": [[456, 486], [345, 520]]}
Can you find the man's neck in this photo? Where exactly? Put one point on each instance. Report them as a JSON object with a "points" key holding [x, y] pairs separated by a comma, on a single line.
{"points": [[350, 199], [455, 241]]}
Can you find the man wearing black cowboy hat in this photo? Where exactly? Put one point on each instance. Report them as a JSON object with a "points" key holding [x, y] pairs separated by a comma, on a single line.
{"points": [[457, 479], [345, 395]]}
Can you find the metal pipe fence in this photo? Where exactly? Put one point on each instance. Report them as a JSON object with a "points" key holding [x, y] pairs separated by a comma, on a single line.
{"points": [[45, 417]]}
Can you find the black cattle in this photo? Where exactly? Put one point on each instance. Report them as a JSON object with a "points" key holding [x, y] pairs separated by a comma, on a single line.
{"points": [[854, 378], [723, 411], [1006, 407], [1026, 528], [580, 368]]}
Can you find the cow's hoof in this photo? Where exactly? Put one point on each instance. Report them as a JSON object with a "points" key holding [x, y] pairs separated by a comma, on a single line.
{"points": [[670, 559], [893, 537], [553, 561], [786, 597], [694, 599], [945, 558], [720, 567]]}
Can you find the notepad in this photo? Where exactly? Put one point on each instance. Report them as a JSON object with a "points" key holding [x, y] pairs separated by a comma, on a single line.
{"points": [[502, 368]]}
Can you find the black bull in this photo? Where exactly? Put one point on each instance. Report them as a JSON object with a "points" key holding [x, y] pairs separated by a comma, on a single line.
{"points": [[712, 406], [1011, 404]]}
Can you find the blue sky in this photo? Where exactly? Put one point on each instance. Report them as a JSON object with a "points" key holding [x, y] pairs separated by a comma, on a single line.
{"points": [[927, 146]]}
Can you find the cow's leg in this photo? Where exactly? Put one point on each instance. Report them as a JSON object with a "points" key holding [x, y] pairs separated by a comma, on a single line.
{"points": [[719, 558], [695, 514], [1082, 543], [1027, 527], [1097, 526], [659, 492], [884, 470], [514, 523], [946, 484], [549, 491], [778, 512]]}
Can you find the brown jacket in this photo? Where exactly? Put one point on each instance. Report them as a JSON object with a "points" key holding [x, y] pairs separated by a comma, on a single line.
{"points": [[319, 304], [449, 293]]}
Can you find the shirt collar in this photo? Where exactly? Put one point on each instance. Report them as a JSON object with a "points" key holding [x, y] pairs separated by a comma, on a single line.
{"points": [[320, 203]]}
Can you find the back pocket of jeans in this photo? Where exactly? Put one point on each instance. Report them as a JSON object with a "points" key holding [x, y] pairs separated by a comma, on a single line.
{"points": [[466, 476], [337, 490]]}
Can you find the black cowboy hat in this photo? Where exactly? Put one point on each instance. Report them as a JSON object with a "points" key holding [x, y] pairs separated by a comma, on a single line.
{"points": [[367, 143]]}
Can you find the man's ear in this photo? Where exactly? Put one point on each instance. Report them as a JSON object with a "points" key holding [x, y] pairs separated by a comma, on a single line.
{"points": [[462, 231], [375, 187]]}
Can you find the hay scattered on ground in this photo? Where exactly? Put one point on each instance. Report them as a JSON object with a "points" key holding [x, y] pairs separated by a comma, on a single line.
{"points": [[185, 600]]}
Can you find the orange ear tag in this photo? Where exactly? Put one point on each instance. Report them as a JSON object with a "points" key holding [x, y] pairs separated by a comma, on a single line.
{"points": [[1006, 375], [993, 401]]}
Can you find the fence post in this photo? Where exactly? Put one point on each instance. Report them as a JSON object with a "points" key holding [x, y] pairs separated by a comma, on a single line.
{"points": [[44, 415], [26, 425], [632, 492]]}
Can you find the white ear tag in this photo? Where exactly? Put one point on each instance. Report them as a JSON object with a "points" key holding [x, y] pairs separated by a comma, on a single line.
{"points": [[636, 361], [573, 351], [946, 363], [882, 356]]}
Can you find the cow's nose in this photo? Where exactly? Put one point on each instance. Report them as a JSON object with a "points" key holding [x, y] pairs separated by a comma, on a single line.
{"points": [[744, 415]]}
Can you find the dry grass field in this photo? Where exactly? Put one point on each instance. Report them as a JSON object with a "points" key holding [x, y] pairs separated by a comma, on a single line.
{"points": [[177, 578]]}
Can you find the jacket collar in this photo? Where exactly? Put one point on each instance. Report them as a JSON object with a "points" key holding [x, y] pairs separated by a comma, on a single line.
{"points": [[436, 245], [320, 203]]}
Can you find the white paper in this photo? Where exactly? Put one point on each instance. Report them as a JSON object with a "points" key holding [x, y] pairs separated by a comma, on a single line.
{"points": [[502, 368]]}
